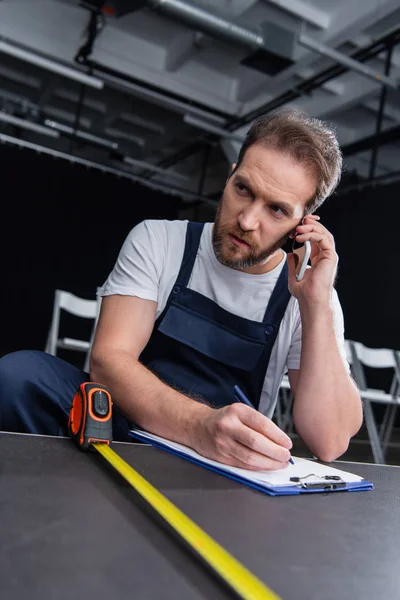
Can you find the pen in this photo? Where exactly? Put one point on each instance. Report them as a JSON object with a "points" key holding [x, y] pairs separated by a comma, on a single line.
{"points": [[241, 397]]}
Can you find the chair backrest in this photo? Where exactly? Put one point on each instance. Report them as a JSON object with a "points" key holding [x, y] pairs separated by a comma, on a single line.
{"points": [[375, 358], [347, 347], [79, 307]]}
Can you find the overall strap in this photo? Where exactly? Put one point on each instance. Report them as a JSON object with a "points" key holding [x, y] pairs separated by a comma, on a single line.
{"points": [[193, 235], [279, 299]]}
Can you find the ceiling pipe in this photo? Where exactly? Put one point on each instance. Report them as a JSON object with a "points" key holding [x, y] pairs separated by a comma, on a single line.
{"points": [[25, 124], [208, 23]]}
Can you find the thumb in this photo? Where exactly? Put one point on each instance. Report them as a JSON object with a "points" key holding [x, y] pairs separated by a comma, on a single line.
{"points": [[292, 260]]}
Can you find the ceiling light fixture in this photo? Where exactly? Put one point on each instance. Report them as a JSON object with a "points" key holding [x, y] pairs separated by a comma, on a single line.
{"points": [[50, 65], [25, 124]]}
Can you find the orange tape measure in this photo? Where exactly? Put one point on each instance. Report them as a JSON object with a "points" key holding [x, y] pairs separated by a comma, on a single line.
{"points": [[90, 418]]}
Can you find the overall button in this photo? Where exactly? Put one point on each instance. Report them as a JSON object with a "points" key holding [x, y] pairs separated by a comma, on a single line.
{"points": [[176, 289], [269, 329]]}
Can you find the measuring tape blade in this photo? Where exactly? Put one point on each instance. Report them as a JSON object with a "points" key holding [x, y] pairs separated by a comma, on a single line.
{"points": [[247, 585]]}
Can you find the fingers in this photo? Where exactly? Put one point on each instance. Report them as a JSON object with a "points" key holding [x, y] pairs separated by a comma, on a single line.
{"points": [[316, 233], [259, 444], [261, 424], [324, 241], [244, 458], [242, 437], [312, 225]]}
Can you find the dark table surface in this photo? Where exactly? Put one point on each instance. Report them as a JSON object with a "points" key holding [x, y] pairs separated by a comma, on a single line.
{"points": [[71, 528]]}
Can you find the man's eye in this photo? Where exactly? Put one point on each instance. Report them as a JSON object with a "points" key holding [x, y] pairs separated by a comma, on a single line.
{"points": [[242, 189], [277, 209]]}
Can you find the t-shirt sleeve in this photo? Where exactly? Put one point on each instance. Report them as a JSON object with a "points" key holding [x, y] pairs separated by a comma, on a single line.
{"points": [[139, 264], [293, 360]]}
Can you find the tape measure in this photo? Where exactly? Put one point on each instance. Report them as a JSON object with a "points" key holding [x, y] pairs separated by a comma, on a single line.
{"points": [[90, 425]]}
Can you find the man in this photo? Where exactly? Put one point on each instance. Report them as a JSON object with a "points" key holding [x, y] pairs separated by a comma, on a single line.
{"points": [[189, 311]]}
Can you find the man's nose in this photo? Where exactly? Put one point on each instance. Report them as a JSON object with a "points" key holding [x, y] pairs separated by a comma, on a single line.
{"points": [[249, 218]]}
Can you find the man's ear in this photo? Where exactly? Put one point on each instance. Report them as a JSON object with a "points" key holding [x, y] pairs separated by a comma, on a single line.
{"points": [[233, 167]]}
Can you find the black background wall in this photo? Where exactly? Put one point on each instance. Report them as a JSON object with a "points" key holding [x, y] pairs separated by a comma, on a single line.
{"points": [[62, 227], [365, 224]]}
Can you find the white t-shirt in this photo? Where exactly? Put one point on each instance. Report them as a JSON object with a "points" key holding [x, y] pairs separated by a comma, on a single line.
{"points": [[148, 265]]}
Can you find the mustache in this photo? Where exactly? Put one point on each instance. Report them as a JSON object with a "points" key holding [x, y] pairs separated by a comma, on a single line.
{"points": [[238, 232]]}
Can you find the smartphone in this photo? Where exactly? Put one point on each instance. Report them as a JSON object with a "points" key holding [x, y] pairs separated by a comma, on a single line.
{"points": [[303, 252]]}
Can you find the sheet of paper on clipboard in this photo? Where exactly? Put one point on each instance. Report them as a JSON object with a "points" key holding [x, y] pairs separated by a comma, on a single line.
{"points": [[304, 476]]}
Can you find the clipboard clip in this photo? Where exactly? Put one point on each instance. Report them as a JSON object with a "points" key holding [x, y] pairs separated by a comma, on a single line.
{"points": [[327, 483]]}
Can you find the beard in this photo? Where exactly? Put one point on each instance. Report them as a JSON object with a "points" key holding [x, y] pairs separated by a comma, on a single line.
{"points": [[254, 254]]}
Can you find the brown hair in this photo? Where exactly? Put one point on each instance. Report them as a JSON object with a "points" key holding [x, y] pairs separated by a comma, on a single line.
{"points": [[308, 141]]}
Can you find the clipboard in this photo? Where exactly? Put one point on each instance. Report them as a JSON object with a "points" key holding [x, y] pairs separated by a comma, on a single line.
{"points": [[304, 477]]}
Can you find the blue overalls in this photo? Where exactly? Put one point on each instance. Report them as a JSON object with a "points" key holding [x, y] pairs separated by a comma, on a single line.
{"points": [[202, 349], [196, 346]]}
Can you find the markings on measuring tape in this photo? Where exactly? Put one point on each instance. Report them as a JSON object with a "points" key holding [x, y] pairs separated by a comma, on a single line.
{"points": [[240, 579]]}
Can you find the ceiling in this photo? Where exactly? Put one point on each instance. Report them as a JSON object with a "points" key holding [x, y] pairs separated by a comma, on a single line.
{"points": [[181, 99]]}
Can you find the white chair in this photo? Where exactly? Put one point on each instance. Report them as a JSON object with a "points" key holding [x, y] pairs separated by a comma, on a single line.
{"points": [[79, 307], [377, 358]]}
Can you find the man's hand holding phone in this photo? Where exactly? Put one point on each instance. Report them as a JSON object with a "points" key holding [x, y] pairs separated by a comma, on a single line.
{"points": [[312, 285]]}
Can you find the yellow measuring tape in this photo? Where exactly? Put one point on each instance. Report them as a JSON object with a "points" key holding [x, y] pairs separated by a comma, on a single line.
{"points": [[232, 571]]}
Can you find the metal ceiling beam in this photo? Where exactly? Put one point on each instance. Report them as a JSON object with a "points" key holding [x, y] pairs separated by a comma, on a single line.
{"points": [[142, 90], [361, 165], [347, 61], [386, 179], [364, 40], [348, 19], [316, 81], [333, 87], [73, 96], [386, 137], [219, 131], [390, 111], [19, 77], [150, 167], [225, 30], [21, 100], [142, 123], [323, 106], [304, 11], [380, 115]]}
